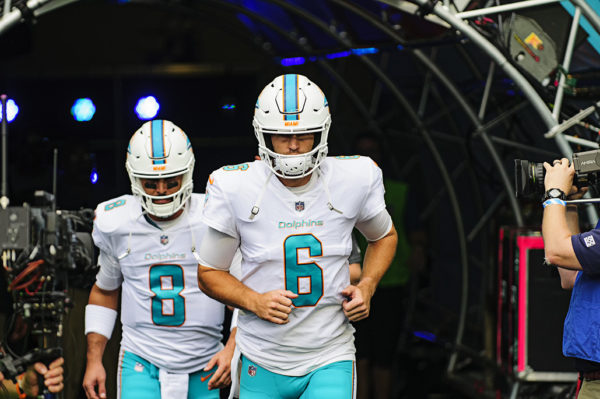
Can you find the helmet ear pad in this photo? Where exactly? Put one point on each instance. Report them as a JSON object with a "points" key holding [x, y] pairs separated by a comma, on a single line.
{"points": [[158, 150], [292, 104]]}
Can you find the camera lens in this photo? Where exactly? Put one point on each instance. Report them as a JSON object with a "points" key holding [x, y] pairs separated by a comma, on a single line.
{"points": [[529, 178]]}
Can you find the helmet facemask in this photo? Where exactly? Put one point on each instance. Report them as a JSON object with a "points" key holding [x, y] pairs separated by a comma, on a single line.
{"points": [[178, 199], [292, 166]]}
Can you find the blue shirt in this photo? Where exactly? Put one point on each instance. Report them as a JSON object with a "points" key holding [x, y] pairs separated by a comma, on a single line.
{"points": [[581, 338]]}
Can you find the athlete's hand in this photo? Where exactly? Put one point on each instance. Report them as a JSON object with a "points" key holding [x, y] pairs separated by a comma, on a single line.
{"points": [[95, 376], [274, 306], [221, 377], [357, 303]]}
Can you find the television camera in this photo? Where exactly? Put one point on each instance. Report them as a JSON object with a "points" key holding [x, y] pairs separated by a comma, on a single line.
{"points": [[529, 176], [43, 250]]}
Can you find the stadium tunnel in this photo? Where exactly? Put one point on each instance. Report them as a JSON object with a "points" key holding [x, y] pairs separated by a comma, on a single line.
{"points": [[453, 91]]}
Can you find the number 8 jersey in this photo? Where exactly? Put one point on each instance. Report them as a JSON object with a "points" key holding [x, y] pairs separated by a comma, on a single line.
{"points": [[166, 319], [299, 241]]}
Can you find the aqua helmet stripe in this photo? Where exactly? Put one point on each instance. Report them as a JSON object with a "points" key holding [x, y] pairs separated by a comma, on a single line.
{"points": [[290, 92], [158, 142]]}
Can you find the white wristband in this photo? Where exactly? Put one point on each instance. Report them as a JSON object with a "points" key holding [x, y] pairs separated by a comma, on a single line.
{"points": [[100, 320]]}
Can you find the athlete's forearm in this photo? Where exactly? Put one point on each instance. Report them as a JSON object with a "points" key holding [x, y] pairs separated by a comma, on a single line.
{"points": [[377, 260], [100, 297], [96, 343], [222, 286], [230, 345]]}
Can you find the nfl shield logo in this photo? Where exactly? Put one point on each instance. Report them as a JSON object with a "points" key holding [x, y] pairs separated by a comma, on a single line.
{"points": [[164, 239], [251, 371], [299, 206]]}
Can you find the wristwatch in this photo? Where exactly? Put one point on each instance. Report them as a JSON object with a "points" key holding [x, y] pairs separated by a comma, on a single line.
{"points": [[555, 193]]}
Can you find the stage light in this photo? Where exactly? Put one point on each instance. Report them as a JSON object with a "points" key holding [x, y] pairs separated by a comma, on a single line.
{"points": [[426, 335], [83, 110], [365, 50], [338, 55], [94, 176], [11, 110], [147, 108], [292, 61], [228, 106]]}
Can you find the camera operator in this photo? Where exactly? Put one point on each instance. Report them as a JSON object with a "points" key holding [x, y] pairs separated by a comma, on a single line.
{"points": [[577, 256], [27, 384]]}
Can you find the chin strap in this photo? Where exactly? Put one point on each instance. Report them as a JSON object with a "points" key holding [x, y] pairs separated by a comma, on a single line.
{"points": [[128, 250], [194, 253], [256, 207], [329, 204]]}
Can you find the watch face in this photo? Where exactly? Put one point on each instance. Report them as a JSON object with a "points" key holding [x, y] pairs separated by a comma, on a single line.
{"points": [[554, 193]]}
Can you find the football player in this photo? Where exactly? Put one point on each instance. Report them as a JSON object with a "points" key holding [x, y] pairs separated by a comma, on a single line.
{"points": [[292, 215], [171, 345]]}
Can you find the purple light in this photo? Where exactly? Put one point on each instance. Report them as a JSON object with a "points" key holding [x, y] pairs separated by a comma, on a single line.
{"points": [[426, 335], [338, 55], [94, 176], [292, 61]]}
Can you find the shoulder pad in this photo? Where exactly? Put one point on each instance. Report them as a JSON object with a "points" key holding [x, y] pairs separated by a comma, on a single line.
{"points": [[231, 177], [350, 180], [116, 212], [361, 167], [196, 203], [352, 160], [240, 167]]}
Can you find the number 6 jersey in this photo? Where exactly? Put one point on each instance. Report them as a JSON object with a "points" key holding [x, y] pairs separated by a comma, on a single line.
{"points": [[166, 319], [299, 241]]}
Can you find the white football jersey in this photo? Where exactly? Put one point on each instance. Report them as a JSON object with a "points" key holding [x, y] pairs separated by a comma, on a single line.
{"points": [[296, 242], [166, 319]]}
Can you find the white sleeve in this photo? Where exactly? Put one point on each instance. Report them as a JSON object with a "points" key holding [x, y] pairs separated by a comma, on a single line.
{"points": [[377, 227], [217, 249], [217, 212], [109, 276], [374, 202]]}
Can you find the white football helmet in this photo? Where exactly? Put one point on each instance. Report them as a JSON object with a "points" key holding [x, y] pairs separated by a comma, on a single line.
{"points": [[157, 150], [292, 104]]}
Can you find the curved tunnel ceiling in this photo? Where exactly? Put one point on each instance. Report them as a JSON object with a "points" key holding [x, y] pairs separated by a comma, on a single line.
{"points": [[442, 84]]}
